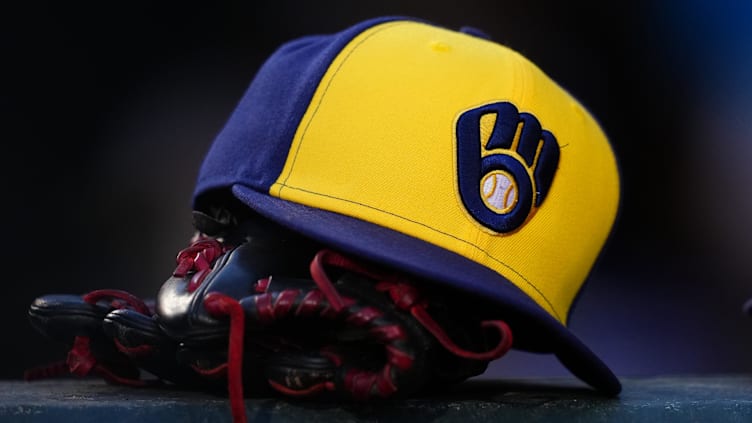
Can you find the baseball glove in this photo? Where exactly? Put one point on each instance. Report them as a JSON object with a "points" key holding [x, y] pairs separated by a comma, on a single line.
{"points": [[76, 321], [256, 309]]}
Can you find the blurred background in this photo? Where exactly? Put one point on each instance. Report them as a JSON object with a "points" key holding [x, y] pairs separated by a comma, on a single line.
{"points": [[108, 109]]}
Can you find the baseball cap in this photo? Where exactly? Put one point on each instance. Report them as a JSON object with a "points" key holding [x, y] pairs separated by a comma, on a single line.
{"points": [[437, 152]]}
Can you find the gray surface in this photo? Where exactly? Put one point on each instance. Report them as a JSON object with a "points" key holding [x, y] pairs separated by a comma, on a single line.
{"points": [[680, 399]]}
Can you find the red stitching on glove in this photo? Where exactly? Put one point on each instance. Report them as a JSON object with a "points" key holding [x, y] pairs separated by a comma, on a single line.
{"points": [[310, 303], [137, 351], [388, 333], [214, 372], [199, 256], [332, 355], [264, 307], [399, 358], [107, 374], [364, 316], [262, 285], [385, 383], [80, 359], [284, 302], [365, 384], [314, 389]]}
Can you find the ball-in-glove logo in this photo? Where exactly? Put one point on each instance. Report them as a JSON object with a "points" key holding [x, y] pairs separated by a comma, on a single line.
{"points": [[505, 162]]}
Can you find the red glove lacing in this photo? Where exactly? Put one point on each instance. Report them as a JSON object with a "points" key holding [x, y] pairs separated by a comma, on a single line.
{"points": [[361, 384], [199, 258]]}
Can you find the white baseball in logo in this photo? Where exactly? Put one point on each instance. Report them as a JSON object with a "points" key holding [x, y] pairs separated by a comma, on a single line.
{"points": [[499, 191]]}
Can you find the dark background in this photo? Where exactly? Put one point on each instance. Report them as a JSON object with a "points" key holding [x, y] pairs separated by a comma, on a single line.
{"points": [[107, 111]]}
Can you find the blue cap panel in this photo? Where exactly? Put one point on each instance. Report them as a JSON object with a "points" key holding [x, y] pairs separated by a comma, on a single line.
{"points": [[270, 112]]}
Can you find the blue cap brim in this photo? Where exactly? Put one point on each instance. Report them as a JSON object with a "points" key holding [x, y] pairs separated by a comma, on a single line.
{"points": [[534, 329]]}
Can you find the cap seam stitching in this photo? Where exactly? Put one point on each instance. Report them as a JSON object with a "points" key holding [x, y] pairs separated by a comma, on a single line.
{"points": [[323, 94]]}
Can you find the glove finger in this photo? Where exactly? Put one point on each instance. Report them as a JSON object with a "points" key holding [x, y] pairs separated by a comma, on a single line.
{"points": [[138, 336], [63, 317], [77, 324]]}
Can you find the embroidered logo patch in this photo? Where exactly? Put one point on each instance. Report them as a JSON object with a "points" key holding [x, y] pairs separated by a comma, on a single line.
{"points": [[505, 162]]}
